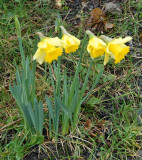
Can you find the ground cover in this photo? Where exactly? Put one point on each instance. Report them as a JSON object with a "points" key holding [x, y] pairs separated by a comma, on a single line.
{"points": [[110, 120]]}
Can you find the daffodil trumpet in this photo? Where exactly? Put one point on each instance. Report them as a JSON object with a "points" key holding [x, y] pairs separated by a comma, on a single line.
{"points": [[69, 42], [116, 48], [96, 47], [49, 49]]}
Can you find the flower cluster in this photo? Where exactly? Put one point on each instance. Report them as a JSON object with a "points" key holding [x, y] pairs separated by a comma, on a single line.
{"points": [[114, 48], [50, 49]]}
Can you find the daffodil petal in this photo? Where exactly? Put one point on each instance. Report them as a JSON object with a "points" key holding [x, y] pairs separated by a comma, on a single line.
{"points": [[54, 41], [121, 41], [126, 39], [40, 56], [117, 49], [43, 43]]}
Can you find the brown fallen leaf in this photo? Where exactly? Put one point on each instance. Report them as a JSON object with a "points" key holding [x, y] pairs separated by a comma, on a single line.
{"points": [[88, 124], [108, 25], [97, 16], [98, 22]]}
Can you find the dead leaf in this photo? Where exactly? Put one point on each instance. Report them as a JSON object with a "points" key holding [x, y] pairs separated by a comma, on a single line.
{"points": [[108, 25], [97, 16], [88, 124], [58, 4], [98, 22]]}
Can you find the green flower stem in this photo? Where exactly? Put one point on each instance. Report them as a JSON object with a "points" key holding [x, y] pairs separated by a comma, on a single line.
{"points": [[77, 110], [33, 71], [86, 80], [45, 70], [77, 70], [96, 81], [58, 78], [33, 81], [52, 81]]}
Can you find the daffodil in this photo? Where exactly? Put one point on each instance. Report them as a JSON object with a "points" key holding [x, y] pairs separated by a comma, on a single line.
{"points": [[116, 48], [49, 49], [70, 43], [96, 47]]}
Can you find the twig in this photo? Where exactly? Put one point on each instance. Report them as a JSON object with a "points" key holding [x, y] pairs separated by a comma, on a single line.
{"points": [[18, 120]]}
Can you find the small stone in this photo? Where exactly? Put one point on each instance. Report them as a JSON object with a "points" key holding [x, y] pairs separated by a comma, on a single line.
{"points": [[113, 8]]}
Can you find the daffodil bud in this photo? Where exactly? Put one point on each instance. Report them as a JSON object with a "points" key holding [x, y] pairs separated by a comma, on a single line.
{"points": [[17, 24]]}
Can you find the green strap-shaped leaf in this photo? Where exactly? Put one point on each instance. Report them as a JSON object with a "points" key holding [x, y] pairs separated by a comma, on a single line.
{"points": [[74, 102], [63, 107], [31, 113], [36, 113], [96, 81], [77, 70], [41, 118], [18, 79], [65, 89], [28, 117], [57, 114], [50, 107], [86, 80]]}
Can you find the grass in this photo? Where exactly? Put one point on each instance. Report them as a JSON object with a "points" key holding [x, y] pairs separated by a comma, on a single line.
{"points": [[114, 108]]}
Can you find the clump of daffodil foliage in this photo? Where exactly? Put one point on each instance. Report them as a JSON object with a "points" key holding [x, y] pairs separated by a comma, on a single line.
{"points": [[69, 96]]}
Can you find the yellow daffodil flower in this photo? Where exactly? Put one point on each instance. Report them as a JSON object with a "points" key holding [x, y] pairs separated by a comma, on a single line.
{"points": [[69, 42], [96, 47], [116, 48], [49, 49]]}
